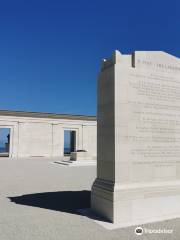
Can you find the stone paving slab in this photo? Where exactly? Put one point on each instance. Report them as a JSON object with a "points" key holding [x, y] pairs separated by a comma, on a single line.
{"points": [[40, 201]]}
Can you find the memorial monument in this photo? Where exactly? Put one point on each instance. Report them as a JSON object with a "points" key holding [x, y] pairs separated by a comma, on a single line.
{"points": [[138, 149]]}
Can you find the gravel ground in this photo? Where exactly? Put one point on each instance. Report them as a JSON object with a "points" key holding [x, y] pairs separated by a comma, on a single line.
{"points": [[38, 201]]}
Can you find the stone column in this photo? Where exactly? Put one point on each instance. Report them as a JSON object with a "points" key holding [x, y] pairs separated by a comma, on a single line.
{"points": [[102, 200], [138, 177]]}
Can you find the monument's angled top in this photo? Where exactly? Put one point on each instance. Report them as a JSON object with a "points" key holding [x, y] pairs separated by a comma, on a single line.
{"points": [[156, 54], [155, 59], [160, 60]]}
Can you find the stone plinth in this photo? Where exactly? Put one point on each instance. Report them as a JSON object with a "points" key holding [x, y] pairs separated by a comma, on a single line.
{"points": [[138, 139], [81, 156]]}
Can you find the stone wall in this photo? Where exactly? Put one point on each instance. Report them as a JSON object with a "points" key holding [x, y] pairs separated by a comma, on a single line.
{"points": [[44, 137]]}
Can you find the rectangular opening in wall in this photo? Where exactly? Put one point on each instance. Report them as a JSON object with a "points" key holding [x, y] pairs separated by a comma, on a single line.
{"points": [[69, 142], [4, 142]]}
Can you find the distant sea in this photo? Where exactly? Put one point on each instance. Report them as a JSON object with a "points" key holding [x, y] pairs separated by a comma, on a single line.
{"points": [[2, 150], [67, 150]]}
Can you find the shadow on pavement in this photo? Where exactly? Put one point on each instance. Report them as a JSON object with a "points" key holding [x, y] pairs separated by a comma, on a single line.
{"points": [[67, 201]]}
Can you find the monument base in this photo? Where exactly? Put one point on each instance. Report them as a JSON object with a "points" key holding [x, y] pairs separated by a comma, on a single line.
{"points": [[81, 156], [137, 203]]}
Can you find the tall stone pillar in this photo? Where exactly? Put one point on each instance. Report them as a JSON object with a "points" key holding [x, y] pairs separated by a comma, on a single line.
{"points": [[138, 167]]}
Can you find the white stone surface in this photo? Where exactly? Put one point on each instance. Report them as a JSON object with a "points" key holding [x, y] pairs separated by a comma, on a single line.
{"points": [[138, 166], [33, 181], [82, 156], [80, 163]]}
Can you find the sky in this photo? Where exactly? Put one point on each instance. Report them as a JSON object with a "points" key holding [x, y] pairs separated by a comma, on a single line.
{"points": [[51, 50]]}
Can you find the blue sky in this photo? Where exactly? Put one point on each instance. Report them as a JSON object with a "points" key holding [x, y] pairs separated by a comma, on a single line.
{"points": [[50, 51]]}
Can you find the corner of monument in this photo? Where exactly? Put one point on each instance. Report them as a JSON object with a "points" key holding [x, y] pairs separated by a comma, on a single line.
{"points": [[116, 56]]}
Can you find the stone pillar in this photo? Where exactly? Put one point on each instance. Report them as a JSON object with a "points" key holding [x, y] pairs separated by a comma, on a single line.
{"points": [[138, 171]]}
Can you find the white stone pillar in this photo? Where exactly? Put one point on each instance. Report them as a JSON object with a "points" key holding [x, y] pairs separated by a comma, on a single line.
{"points": [[138, 167], [102, 199]]}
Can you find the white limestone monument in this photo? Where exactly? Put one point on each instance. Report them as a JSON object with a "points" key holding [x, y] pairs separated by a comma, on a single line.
{"points": [[138, 149]]}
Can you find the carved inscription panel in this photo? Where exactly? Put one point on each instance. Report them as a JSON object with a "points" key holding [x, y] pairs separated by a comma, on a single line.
{"points": [[148, 129]]}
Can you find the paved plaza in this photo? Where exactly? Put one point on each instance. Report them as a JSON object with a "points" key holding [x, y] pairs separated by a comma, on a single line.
{"points": [[39, 201]]}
